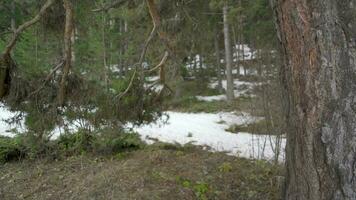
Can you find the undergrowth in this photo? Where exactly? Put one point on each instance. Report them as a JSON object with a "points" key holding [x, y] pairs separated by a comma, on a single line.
{"points": [[81, 142]]}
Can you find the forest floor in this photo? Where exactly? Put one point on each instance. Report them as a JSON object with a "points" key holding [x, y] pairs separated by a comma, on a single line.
{"points": [[157, 172], [162, 170]]}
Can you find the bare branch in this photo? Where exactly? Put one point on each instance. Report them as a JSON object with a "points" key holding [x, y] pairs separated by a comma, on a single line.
{"points": [[129, 86], [156, 26], [163, 61], [48, 78], [25, 25], [106, 8]]}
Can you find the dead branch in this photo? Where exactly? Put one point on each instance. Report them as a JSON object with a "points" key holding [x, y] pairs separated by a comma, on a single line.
{"points": [[142, 57], [48, 78], [157, 22], [163, 61], [67, 49], [114, 4], [129, 86], [156, 29], [25, 25]]}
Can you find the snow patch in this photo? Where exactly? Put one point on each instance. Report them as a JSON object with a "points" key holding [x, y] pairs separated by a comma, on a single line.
{"points": [[209, 129]]}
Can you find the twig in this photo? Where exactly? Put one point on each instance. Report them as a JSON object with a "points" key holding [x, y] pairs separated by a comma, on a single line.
{"points": [[109, 6], [163, 61], [48, 78], [129, 86]]}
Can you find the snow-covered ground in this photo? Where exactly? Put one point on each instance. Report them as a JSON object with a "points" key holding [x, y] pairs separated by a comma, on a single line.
{"points": [[206, 129], [5, 128], [209, 129], [238, 90]]}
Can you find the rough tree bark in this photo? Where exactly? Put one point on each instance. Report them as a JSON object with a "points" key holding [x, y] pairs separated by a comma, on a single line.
{"points": [[318, 40], [67, 50], [228, 57]]}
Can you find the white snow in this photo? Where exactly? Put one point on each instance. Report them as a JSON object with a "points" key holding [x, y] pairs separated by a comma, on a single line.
{"points": [[5, 128], [207, 129], [221, 97], [152, 78], [238, 91]]}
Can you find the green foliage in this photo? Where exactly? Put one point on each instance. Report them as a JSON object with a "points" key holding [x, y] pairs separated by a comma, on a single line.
{"points": [[10, 149], [125, 142], [225, 167], [76, 143], [199, 188]]}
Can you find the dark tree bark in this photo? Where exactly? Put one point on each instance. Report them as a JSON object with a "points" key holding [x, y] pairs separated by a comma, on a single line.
{"points": [[318, 41]]}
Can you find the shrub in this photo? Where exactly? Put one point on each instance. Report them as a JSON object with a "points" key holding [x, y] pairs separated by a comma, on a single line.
{"points": [[10, 149], [78, 142], [126, 142]]}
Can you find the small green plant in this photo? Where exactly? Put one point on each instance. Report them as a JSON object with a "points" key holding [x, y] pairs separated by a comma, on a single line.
{"points": [[200, 190], [120, 155], [126, 141], [78, 142], [179, 153], [225, 167], [186, 184]]}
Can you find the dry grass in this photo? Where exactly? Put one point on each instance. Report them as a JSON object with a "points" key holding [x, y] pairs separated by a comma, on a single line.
{"points": [[152, 173]]}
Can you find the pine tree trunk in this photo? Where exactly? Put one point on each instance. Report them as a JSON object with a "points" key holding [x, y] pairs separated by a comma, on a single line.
{"points": [[218, 65], [228, 57], [319, 75]]}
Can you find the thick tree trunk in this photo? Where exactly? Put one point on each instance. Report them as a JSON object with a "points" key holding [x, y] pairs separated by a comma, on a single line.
{"points": [[318, 40], [228, 57]]}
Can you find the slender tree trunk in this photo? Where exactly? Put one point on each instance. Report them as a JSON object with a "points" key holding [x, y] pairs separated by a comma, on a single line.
{"points": [[218, 65], [319, 75], [67, 50], [105, 56], [121, 49], [228, 57], [242, 43], [236, 49], [13, 12]]}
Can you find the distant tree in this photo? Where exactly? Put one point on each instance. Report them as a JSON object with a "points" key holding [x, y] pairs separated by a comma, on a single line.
{"points": [[228, 56]]}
